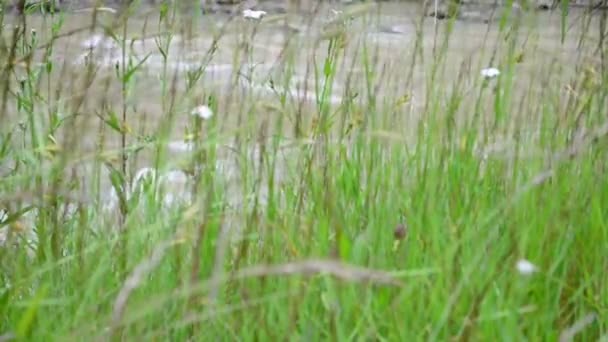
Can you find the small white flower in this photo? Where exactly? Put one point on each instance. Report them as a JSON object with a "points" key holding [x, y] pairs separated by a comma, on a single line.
{"points": [[525, 267], [203, 112], [490, 72], [255, 15]]}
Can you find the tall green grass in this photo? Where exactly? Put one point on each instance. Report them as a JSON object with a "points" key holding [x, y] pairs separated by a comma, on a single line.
{"points": [[399, 214]]}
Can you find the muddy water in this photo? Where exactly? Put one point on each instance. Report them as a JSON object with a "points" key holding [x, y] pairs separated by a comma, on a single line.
{"points": [[250, 54]]}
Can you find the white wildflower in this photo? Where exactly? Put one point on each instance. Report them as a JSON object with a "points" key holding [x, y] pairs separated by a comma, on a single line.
{"points": [[525, 267], [252, 14], [203, 112], [490, 72]]}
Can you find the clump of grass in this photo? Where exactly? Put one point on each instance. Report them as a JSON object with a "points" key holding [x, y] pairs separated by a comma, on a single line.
{"points": [[406, 211]]}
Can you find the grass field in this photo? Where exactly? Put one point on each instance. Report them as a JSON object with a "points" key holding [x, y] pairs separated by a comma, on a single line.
{"points": [[483, 217]]}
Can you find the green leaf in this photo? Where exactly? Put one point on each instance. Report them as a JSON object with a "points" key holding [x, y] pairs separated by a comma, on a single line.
{"points": [[26, 324], [5, 144], [4, 300], [564, 18], [118, 183], [345, 246], [16, 215], [327, 67], [164, 10], [127, 76], [113, 121], [325, 300], [161, 48], [361, 250], [56, 26]]}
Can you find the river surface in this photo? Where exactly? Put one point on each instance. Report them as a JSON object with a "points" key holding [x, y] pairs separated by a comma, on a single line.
{"points": [[265, 77]]}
